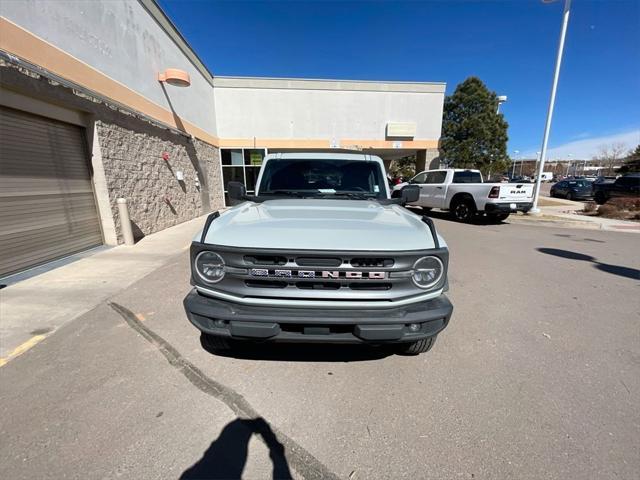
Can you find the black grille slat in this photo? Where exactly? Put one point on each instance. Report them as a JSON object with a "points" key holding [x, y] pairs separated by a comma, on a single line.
{"points": [[318, 285], [265, 284], [318, 261], [370, 286], [265, 259], [372, 262]]}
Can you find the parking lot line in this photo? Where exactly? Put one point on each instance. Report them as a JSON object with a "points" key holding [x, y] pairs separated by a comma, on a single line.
{"points": [[20, 349]]}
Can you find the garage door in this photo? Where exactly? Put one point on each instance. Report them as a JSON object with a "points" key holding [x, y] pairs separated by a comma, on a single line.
{"points": [[47, 207]]}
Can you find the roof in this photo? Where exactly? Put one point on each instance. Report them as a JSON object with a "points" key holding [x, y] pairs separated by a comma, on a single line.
{"points": [[322, 156], [328, 84]]}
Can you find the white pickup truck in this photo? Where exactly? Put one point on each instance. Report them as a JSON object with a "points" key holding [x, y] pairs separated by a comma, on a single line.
{"points": [[463, 194]]}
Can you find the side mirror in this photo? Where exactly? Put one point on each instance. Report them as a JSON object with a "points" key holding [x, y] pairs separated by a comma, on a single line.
{"points": [[237, 192], [410, 194]]}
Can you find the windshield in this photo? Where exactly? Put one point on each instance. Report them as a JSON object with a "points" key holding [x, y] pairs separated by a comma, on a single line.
{"points": [[324, 178]]}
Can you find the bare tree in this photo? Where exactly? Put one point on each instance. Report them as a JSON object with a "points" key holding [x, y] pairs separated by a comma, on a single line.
{"points": [[611, 154]]}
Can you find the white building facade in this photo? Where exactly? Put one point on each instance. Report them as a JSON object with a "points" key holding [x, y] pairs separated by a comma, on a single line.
{"points": [[85, 121]]}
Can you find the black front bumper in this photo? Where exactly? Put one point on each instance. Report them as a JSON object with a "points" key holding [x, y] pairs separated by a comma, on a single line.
{"points": [[389, 325], [496, 208]]}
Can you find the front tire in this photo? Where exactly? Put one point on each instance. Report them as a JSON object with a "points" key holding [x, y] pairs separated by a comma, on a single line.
{"points": [[569, 196], [463, 210], [214, 343], [600, 198], [416, 348]]}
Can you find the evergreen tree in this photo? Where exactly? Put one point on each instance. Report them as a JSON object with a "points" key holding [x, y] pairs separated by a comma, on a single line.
{"points": [[474, 135]]}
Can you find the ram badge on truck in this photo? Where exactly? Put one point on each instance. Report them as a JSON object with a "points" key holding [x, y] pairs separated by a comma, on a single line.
{"points": [[320, 253]]}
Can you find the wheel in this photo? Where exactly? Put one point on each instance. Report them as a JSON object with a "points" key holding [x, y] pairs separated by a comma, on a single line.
{"points": [[569, 196], [552, 193], [426, 209], [415, 348], [214, 343], [600, 198], [499, 217], [463, 210]]}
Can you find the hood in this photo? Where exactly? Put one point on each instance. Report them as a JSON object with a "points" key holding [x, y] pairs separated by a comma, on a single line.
{"points": [[320, 224]]}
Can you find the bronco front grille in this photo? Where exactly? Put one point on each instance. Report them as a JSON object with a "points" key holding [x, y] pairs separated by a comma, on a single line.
{"points": [[318, 275]]}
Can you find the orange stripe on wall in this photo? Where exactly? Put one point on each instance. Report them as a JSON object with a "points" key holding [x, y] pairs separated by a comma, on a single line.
{"points": [[319, 143], [26, 45]]}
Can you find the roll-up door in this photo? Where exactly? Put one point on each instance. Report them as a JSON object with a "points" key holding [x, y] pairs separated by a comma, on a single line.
{"points": [[47, 206]]}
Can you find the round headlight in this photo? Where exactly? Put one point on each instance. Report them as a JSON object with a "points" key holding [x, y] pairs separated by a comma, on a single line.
{"points": [[210, 266], [427, 272]]}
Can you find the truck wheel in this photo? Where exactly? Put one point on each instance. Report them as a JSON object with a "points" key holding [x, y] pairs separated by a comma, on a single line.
{"points": [[415, 348], [600, 198], [463, 210], [214, 343], [499, 217]]}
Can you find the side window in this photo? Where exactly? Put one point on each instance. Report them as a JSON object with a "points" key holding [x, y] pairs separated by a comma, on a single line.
{"points": [[436, 177], [562, 185], [466, 177], [419, 178]]}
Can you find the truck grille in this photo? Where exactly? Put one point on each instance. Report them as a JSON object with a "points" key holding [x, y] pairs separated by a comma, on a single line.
{"points": [[303, 275]]}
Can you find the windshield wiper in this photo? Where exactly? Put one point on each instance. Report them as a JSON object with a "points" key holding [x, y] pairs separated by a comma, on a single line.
{"points": [[351, 195], [284, 193]]}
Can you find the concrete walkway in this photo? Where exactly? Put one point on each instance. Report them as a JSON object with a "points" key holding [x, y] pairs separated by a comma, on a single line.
{"points": [[559, 212], [34, 308]]}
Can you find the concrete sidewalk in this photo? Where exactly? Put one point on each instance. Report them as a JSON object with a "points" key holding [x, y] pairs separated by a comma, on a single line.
{"points": [[558, 213], [34, 308]]}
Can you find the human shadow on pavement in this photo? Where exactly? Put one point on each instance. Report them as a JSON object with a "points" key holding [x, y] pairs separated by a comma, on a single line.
{"points": [[621, 271], [227, 455], [304, 352]]}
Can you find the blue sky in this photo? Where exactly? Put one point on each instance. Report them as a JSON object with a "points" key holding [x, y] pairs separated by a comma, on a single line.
{"points": [[510, 45]]}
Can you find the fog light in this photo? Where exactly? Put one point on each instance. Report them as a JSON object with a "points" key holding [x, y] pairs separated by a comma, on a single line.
{"points": [[414, 327], [219, 323]]}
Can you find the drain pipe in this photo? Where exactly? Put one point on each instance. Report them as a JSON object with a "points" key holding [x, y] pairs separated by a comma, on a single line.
{"points": [[125, 221]]}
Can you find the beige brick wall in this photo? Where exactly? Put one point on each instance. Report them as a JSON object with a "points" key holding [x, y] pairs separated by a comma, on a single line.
{"points": [[135, 169]]}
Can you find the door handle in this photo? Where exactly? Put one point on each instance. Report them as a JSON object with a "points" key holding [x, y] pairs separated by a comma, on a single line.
{"points": [[439, 188]]}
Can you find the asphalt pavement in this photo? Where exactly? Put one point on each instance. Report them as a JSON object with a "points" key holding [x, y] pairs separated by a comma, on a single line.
{"points": [[536, 377]]}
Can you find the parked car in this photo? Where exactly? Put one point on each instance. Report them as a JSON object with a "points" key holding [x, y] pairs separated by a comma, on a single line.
{"points": [[464, 194], [545, 177], [572, 189], [605, 179], [320, 253], [625, 186], [520, 179]]}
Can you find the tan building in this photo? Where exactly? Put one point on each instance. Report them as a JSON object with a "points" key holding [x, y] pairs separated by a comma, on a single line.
{"points": [[84, 120]]}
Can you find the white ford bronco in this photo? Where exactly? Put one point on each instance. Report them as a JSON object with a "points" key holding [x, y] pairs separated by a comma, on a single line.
{"points": [[320, 253]]}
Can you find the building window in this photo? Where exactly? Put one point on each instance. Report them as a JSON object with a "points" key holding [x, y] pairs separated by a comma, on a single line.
{"points": [[241, 165]]}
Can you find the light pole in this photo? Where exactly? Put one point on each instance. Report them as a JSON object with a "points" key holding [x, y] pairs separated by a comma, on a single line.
{"points": [[515, 157], [501, 99], [569, 155], [552, 100]]}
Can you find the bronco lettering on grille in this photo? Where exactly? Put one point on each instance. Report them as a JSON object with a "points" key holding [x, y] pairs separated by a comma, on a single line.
{"points": [[328, 274]]}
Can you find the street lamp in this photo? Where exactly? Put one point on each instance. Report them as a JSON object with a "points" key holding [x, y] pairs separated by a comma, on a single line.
{"points": [[552, 100], [569, 155], [515, 157], [501, 99]]}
